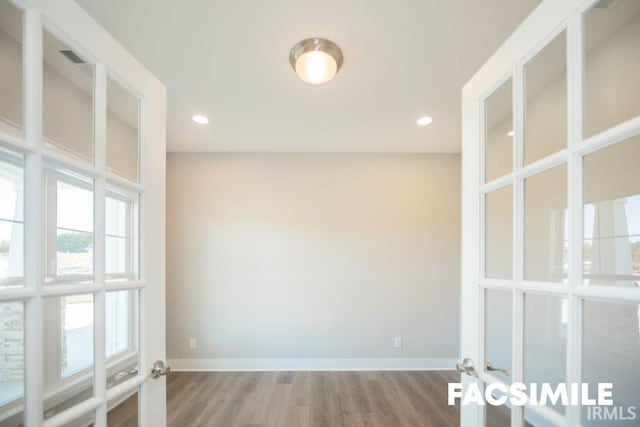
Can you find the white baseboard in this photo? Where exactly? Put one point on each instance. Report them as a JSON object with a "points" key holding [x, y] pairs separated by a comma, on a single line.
{"points": [[346, 364]]}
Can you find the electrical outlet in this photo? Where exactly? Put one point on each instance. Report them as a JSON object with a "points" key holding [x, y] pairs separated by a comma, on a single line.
{"points": [[397, 342], [193, 344]]}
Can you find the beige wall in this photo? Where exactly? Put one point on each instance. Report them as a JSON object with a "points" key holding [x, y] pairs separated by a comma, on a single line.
{"points": [[313, 255]]}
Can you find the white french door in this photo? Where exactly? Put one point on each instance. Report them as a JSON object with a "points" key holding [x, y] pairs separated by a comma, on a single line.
{"points": [[551, 213], [82, 173]]}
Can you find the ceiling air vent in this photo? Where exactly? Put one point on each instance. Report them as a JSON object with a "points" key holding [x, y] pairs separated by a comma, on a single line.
{"points": [[71, 56], [604, 4]]}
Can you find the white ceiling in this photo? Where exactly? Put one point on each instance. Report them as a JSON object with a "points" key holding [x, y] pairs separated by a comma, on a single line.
{"points": [[228, 60]]}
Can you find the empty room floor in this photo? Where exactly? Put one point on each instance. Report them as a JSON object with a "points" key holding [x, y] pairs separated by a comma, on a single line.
{"points": [[301, 399], [310, 399]]}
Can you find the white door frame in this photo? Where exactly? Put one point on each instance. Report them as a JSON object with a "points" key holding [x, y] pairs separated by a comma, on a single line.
{"points": [[110, 59], [548, 20]]}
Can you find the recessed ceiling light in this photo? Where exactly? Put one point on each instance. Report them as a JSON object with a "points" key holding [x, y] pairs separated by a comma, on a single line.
{"points": [[424, 120], [201, 120], [316, 60], [510, 133]]}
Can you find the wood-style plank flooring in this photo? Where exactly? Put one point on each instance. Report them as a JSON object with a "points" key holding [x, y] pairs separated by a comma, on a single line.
{"points": [[301, 399]]}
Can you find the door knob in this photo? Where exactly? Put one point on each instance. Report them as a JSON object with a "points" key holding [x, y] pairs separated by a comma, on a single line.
{"points": [[159, 369], [468, 367], [489, 367]]}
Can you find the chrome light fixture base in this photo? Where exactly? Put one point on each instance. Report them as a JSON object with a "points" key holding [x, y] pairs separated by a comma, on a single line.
{"points": [[316, 60], [317, 44]]}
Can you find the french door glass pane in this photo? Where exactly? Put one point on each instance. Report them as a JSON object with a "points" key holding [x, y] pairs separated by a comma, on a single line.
{"points": [[122, 131], [611, 345], [612, 64], [11, 220], [120, 322], [117, 239], [123, 412], [67, 96], [69, 228], [121, 236], [499, 233], [545, 123], [86, 420], [11, 359], [497, 330], [122, 369], [612, 215], [68, 344], [121, 336], [545, 220], [499, 132], [545, 340], [11, 120], [497, 416]]}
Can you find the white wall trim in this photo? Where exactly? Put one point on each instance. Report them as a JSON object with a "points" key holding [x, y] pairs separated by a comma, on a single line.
{"points": [[308, 364]]}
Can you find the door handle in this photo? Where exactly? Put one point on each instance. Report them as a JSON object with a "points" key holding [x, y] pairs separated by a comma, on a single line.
{"points": [[489, 367], [159, 369], [468, 367]]}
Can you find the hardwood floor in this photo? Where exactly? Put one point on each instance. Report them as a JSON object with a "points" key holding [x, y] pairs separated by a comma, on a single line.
{"points": [[301, 399]]}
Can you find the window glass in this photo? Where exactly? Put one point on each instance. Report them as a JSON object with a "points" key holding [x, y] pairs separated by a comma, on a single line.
{"points": [[11, 220], [499, 132], [123, 412], [119, 322], [68, 338], [612, 215], [499, 234], [545, 121], [498, 416], [610, 349], [121, 231], [545, 327], [11, 120], [611, 64], [122, 130], [11, 353], [545, 238], [67, 96], [497, 332], [121, 336], [69, 228]]}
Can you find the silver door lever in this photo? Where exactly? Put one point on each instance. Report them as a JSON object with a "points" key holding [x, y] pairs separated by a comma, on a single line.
{"points": [[489, 367], [468, 367], [159, 369]]}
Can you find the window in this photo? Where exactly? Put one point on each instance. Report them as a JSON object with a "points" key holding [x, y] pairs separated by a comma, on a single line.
{"points": [[11, 119], [611, 245], [11, 220], [120, 321], [67, 80], [11, 351], [120, 229], [68, 326], [612, 242], [76, 333], [123, 109], [69, 227]]}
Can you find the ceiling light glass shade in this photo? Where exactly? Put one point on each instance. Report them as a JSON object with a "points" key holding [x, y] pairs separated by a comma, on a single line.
{"points": [[424, 120], [316, 60], [201, 120]]}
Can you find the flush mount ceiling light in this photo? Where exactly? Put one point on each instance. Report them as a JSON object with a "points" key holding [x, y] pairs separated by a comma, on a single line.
{"points": [[316, 60], [201, 120], [424, 120]]}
